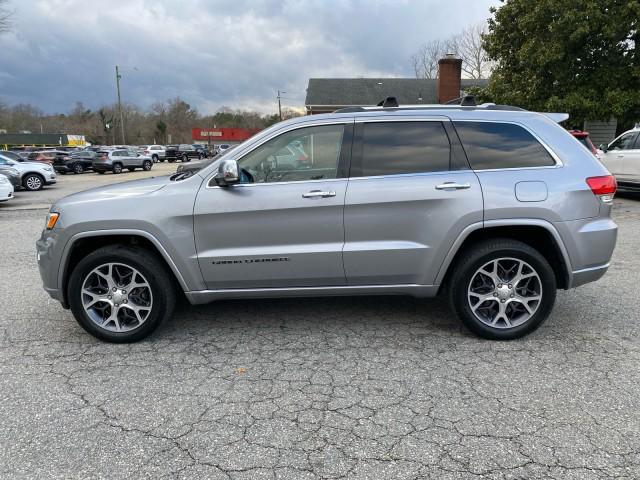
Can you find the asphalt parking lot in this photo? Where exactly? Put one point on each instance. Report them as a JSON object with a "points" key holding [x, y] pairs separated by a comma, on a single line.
{"points": [[373, 387]]}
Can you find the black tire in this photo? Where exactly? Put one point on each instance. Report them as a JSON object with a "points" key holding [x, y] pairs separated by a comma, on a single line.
{"points": [[101, 172], [33, 182], [116, 168], [155, 158], [149, 265], [161, 160], [476, 257], [146, 165], [185, 158], [199, 156], [78, 168]]}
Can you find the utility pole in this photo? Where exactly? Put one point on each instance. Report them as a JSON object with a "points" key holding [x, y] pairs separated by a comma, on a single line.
{"points": [[118, 76], [279, 105]]}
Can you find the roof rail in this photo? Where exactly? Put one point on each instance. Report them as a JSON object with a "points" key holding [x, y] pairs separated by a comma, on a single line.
{"points": [[389, 102], [464, 101]]}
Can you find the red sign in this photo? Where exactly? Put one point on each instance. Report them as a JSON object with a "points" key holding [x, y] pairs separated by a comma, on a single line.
{"points": [[217, 135]]}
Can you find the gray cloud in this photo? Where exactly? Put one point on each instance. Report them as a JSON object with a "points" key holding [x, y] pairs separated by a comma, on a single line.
{"points": [[212, 53]]}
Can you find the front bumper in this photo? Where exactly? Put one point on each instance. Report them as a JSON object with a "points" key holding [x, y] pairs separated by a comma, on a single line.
{"points": [[49, 263]]}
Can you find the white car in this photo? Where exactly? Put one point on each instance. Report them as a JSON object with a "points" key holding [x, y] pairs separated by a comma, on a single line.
{"points": [[33, 175], [622, 158], [158, 153], [6, 189]]}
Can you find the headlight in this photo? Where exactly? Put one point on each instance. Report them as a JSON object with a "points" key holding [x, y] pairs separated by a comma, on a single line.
{"points": [[3, 179], [52, 219], [48, 169]]}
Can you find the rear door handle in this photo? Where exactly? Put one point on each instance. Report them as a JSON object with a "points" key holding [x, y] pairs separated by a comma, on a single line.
{"points": [[318, 194], [453, 186], [620, 156]]}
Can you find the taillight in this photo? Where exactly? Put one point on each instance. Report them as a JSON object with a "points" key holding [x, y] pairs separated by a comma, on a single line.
{"points": [[604, 187]]}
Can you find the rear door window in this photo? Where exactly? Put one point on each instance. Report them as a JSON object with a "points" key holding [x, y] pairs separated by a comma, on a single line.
{"points": [[395, 148], [495, 145]]}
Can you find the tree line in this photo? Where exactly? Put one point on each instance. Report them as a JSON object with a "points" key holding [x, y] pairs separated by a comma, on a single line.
{"points": [[576, 56], [168, 121]]}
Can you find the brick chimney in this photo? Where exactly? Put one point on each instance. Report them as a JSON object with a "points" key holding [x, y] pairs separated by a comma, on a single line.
{"points": [[449, 73]]}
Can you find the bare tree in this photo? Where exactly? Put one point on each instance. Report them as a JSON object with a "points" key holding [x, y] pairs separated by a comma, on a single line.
{"points": [[467, 45], [425, 60], [5, 17]]}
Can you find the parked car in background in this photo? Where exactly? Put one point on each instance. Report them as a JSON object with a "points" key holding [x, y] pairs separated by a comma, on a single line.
{"points": [[156, 152], [15, 155], [202, 149], [219, 149], [12, 174], [184, 152], [77, 162], [6, 189], [47, 156], [585, 139], [33, 175], [622, 158], [118, 159], [193, 167]]}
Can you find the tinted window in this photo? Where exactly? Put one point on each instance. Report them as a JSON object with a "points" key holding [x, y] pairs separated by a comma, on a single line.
{"points": [[403, 147], [310, 153], [625, 142], [501, 145]]}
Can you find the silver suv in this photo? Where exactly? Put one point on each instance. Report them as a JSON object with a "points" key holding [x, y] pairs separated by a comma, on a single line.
{"points": [[120, 158], [493, 206]]}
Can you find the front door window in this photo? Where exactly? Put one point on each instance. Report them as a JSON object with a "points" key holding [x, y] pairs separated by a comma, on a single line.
{"points": [[310, 153]]}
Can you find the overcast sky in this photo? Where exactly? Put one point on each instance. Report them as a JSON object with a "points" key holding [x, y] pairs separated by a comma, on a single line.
{"points": [[212, 52]]}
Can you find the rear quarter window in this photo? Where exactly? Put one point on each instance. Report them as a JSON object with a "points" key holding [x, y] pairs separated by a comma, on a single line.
{"points": [[494, 145]]}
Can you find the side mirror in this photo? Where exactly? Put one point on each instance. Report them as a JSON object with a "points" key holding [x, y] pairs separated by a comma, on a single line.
{"points": [[603, 147], [228, 173]]}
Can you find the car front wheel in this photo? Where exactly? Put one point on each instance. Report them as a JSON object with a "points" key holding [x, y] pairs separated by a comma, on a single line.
{"points": [[146, 165], [502, 289], [117, 168], [120, 293], [33, 182], [78, 168]]}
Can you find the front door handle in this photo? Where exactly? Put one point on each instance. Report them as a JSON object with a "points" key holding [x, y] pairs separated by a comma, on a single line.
{"points": [[453, 186], [318, 194], [620, 156]]}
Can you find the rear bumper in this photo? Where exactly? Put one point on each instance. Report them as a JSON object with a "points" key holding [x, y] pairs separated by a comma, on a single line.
{"points": [[590, 244]]}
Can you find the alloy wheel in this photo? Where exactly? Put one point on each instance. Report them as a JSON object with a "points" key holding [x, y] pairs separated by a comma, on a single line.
{"points": [[116, 297], [505, 293], [34, 182]]}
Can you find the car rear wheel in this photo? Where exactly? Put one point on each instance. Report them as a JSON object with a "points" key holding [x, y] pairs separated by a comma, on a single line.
{"points": [[185, 158], [502, 289], [117, 168], [33, 182], [146, 165], [154, 158], [121, 294], [78, 168]]}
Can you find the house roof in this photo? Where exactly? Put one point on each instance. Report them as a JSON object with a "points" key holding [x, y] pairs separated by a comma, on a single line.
{"points": [[370, 91], [33, 138]]}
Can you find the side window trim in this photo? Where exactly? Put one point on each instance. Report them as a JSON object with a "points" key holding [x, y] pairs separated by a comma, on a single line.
{"points": [[556, 159], [636, 143]]}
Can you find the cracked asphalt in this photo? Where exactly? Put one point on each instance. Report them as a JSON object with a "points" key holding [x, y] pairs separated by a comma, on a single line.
{"points": [[354, 388]]}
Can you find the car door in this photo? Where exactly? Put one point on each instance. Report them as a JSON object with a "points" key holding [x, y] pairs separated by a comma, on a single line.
{"points": [[281, 226], [410, 194], [615, 158], [631, 160]]}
